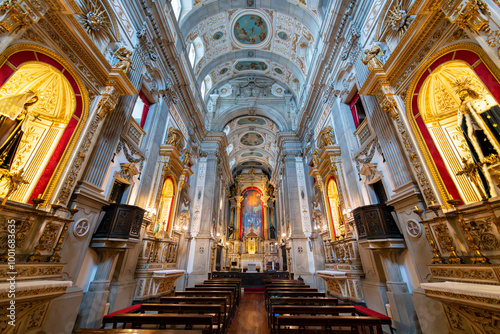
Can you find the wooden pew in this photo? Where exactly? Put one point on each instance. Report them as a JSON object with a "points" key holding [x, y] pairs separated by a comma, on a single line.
{"points": [[222, 301], [209, 288], [277, 310], [301, 301], [308, 292], [213, 293], [215, 309], [225, 281], [223, 285], [328, 324], [162, 320], [138, 331]]}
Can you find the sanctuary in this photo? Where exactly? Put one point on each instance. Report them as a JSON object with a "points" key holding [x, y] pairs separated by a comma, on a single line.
{"points": [[249, 166]]}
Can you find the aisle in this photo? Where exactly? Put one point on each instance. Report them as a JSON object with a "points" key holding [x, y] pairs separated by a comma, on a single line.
{"points": [[251, 315]]}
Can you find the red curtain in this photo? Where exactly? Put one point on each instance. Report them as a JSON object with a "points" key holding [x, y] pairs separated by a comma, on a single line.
{"points": [[354, 110], [145, 109]]}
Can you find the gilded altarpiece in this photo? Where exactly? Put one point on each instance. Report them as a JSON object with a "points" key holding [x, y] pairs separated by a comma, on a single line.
{"points": [[155, 272]]}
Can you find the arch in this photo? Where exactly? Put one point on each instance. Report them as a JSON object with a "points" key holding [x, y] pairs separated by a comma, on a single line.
{"points": [[332, 199], [242, 55], [489, 75], [261, 110], [261, 192], [57, 158]]}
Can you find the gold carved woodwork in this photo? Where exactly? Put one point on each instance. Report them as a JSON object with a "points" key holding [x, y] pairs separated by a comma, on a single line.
{"points": [[371, 59], [472, 16], [175, 138], [13, 17]]}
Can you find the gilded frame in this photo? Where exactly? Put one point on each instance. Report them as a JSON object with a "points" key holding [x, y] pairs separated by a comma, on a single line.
{"points": [[55, 179], [495, 71]]}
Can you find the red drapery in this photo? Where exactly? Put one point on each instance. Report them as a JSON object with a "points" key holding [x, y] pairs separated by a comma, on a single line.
{"points": [[145, 109], [354, 110]]}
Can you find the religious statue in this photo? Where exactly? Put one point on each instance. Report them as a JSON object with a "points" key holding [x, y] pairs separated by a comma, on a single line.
{"points": [[173, 137], [14, 180], [371, 59], [186, 159], [272, 233], [326, 137], [124, 59], [315, 157], [478, 117], [13, 122]]}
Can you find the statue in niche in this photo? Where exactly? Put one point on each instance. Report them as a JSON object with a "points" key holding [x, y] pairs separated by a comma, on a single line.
{"points": [[478, 118], [13, 122], [272, 233], [124, 59], [371, 59]]}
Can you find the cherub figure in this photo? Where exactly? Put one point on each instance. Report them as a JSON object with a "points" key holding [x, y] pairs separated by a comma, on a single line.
{"points": [[124, 59], [371, 59]]}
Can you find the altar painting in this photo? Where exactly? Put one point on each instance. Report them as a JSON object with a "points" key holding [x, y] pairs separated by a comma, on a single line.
{"points": [[252, 212]]}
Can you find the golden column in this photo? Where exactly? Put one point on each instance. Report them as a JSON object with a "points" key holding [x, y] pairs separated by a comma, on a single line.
{"points": [[238, 199], [266, 216], [233, 221]]}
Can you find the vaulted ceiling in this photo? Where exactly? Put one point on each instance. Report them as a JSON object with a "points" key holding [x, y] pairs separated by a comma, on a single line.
{"points": [[251, 57]]}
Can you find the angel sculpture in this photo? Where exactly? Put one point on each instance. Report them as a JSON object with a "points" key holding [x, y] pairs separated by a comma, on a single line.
{"points": [[371, 59], [315, 157], [186, 158], [124, 59]]}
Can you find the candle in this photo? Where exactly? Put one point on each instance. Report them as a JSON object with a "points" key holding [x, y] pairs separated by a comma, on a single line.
{"points": [[416, 208], [432, 203]]}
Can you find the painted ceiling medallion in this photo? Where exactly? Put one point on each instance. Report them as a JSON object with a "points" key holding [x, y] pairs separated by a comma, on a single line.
{"points": [[218, 35], [224, 70], [94, 19], [278, 70], [251, 65], [252, 139], [250, 29], [283, 35]]}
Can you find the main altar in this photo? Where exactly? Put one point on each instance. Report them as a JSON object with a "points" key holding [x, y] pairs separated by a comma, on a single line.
{"points": [[251, 243]]}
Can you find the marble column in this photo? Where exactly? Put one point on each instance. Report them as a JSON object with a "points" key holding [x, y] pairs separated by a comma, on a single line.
{"points": [[266, 217]]}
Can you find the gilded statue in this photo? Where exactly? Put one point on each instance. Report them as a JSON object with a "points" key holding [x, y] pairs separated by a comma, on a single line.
{"points": [[124, 59], [186, 159], [315, 157], [173, 138], [326, 137], [371, 59], [14, 180], [13, 122]]}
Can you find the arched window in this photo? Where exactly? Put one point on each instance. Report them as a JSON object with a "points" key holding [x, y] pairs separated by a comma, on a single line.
{"points": [[176, 7], [454, 110], [192, 54], [199, 49], [39, 112]]}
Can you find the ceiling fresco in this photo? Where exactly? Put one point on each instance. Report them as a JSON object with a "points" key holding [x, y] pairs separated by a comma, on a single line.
{"points": [[251, 65], [251, 121], [250, 29], [252, 139], [252, 154]]}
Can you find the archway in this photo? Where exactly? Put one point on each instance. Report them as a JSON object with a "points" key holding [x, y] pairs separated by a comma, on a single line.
{"points": [[166, 207], [333, 202]]}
